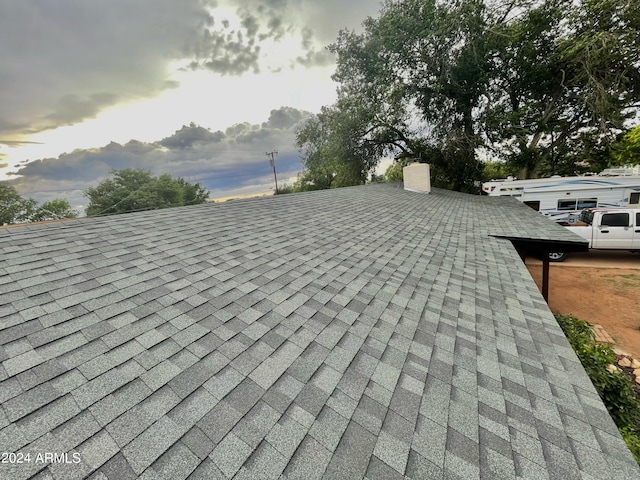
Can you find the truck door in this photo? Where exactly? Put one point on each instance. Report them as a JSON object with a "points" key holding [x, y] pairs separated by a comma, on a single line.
{"points": [[615, 230], [636, 233]]}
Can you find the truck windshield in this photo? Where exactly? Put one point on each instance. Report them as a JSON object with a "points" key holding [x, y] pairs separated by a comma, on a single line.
{"points": [[586, 216]]}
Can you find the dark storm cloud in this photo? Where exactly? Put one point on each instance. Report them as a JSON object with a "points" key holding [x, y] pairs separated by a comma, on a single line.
{"points": [[64, 61], [72, 108], [230, 161]]}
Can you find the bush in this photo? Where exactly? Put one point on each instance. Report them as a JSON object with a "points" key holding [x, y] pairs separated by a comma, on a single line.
{"points": [[613, 386], [632, 440], [284, 189]]}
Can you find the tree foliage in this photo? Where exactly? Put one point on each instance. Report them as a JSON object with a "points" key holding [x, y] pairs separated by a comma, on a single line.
{"points": [[394, 172], [493, 170], [538, 84], [53, 210], [16, 209], [132, 190], [628, 149], [337, 150], [568, 78]]}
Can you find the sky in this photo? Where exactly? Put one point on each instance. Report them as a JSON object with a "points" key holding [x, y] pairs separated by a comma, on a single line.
{"points": [[200, 89]]}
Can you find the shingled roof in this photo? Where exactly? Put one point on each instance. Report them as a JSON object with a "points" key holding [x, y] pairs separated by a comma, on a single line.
{"points": [[359, 332]]}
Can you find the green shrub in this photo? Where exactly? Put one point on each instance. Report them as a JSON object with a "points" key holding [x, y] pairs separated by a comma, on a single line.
{"points": [[632, 440], [284, 189], [615, 388]]}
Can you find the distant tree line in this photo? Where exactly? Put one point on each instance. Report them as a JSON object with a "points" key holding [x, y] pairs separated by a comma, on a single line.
{"points": [[16, 209], [128, 191], [543, 87]]}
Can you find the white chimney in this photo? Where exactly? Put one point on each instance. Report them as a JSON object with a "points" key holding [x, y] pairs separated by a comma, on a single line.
{"points": [[417, 177]]}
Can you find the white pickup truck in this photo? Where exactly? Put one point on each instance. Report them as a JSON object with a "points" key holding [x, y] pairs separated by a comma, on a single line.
{"points": [[606, 228]]}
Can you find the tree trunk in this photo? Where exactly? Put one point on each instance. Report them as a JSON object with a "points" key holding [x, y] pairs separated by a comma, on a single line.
{"points": [[523, 172]]}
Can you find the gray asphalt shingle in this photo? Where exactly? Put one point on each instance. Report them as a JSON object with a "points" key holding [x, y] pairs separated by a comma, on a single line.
{"points": [[360, 332]]}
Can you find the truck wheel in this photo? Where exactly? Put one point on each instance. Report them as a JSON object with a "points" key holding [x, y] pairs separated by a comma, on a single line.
{"points": [[558, 256]]}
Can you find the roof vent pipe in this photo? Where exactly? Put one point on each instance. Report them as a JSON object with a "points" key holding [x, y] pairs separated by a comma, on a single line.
{"points": [[417, 177]]}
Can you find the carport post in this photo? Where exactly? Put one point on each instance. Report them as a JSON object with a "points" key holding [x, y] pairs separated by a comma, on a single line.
{"points": [[545, 276]]}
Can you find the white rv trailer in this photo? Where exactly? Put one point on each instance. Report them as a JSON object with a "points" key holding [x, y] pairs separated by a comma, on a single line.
{"points": [[561, 197]]}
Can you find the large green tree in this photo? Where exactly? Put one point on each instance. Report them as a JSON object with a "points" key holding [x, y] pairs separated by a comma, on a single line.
{"points": [[417, 72], [536, 83], [133, 190], [566, 78], [337, 150]]}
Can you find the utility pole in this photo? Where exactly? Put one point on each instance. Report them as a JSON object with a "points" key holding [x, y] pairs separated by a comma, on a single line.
{"points": [[272, 161]]}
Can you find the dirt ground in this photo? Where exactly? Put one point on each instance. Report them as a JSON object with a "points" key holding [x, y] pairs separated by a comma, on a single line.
{"points": [[606, 296]]}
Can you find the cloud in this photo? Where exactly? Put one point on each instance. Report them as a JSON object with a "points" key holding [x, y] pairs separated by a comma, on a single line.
{"points": [[224, 162], [313, 56], [226, 51], [65, 61], [191, 136], [285, 118], [231, 50], [72, 108], [12, 143], [17, 143]]}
